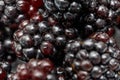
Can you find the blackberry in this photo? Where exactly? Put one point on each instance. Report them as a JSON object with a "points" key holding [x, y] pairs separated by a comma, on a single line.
{"points": [[101, 15], [6, 52], [19, 9], [94, 58], [86, 16], [8, 11], [45, 68], [38, 68], [107, 10], [7, 56], [64, 11], [59, 39], [41, 39]]}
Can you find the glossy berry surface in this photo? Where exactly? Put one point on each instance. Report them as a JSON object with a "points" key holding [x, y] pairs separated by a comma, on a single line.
{"points": [[34, 69], [59, 40]]}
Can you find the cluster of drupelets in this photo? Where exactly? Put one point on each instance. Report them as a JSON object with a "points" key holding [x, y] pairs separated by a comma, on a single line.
{"points": [[59, 40]]}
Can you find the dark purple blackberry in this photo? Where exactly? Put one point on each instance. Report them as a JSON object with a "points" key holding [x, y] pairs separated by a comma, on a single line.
{"points": [[101, 15], [86, 16], [7, 56], [8, 11], [52, 36], [93, 59], [15, 11], [64, 11], [6, 52], [41, 39], [107, 10]]}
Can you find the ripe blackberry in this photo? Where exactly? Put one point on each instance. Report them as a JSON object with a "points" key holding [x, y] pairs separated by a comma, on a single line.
{"points": [[51, 37], [107, 10], [41, 39], [8, 11], [101, 14], [19, 9], [6, 52], [65, 10], [7, 56], [87, 16], [95, 58]]}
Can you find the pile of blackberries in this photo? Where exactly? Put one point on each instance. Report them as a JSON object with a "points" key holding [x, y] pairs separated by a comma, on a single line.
{"points": [[59, 40]]}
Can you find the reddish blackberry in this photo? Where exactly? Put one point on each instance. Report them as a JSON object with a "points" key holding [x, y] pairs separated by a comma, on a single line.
{"points": [[34, 70], [42, 69]]}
